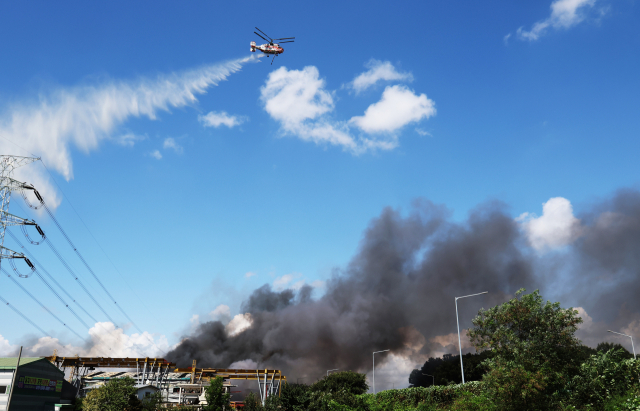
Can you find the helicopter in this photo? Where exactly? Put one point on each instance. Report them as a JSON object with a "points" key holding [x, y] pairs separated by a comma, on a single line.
{"points": [[271, 47]]}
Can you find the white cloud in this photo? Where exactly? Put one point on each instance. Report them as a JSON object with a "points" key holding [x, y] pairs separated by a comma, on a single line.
{"points": [[84, 116], [129, 139], [398, 107], [6, 349], [564, 14], [283, 282], [299, 101], [170, 143], [556, 227], [221, 313], [238, 324], [378, 71], [293, 96], [506, 38], [422, 132], [217, 119], [249, 274], [156, 154], [105, 340]]}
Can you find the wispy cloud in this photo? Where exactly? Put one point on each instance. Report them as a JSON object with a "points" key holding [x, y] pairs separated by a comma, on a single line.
{"points": [[156, 154], [170, 144], [129, 139], [217, 119], [83, 116], [378, 71], [564, 14]]}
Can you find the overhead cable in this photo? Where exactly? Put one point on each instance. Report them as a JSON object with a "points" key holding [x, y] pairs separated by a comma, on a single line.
{"points": [[43, 270], [23, 316], [75, 277], [39, 303]]}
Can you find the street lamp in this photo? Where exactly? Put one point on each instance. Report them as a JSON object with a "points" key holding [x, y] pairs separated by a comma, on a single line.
{"points": [[434, 379], [328, 371], [632, 347], [374, 369], [458, 321]]}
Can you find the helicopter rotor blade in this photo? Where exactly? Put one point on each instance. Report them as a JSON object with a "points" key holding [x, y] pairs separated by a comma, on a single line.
{"points": [[261, 37], [264, 34], [286, 38], [281, 42]]}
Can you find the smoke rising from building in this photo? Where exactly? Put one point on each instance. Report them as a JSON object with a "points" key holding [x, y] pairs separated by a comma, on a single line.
{"points": [[398, 290]]}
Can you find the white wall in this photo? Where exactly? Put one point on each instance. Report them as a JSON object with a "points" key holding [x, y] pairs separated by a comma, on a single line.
{"points": [[5, 379]]}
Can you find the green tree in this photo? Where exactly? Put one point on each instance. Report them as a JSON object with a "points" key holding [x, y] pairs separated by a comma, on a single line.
{"points": [[116, 395], [153, 402], [604, 376], [608, 346], [295, 397], [216, 395], [349, 381], [535, 350], [252, 402], [340, 390]]}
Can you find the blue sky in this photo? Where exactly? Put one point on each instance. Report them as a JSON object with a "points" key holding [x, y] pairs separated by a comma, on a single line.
{"points": [[515, 101]]}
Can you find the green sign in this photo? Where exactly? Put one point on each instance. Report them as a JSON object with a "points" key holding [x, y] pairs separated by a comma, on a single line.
{"points": [[40, 384]]}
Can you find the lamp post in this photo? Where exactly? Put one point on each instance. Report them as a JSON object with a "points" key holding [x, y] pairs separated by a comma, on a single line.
{"points": [[434, 379], [328, 371], [632, 347], [374, 369], [458, 321]]}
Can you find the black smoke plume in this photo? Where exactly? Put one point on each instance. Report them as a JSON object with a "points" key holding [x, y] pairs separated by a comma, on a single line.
{"points": [[398, 291]]}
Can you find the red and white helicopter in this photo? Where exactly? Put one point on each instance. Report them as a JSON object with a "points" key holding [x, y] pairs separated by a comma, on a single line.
{"points": [[271, 47]]}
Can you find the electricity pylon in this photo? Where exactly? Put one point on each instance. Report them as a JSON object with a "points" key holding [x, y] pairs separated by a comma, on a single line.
{"points": [[7, 185]]}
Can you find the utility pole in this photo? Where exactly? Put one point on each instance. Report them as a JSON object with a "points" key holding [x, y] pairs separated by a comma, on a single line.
{"points": [[7, 185], [13, 380]]}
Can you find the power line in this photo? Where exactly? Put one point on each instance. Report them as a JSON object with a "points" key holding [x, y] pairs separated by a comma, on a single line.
{"points": [[75, 277], [24, 316], [85, 262], [123, 278], [39, 303], [41, 268]]}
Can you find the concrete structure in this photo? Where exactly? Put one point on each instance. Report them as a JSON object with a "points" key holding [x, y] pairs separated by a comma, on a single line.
{"points": [[40, 385]]}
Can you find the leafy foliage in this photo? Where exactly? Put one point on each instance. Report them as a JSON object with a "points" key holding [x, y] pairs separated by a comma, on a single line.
{"points": [[529, 332], [116, 395], [337, 391], [295, 397], [252, 403], [446, 370], [217, 397], [603, 377]]}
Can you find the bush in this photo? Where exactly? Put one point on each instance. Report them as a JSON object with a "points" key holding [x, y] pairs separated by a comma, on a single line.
{"points": [[295, 397], [116, 395], [603, 377]]}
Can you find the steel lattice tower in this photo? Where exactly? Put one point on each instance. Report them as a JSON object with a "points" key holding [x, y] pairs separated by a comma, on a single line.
{"points": [[7, 185]]}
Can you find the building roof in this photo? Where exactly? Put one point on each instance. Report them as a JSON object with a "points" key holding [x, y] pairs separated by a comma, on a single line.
{"points": [[10, 362]]}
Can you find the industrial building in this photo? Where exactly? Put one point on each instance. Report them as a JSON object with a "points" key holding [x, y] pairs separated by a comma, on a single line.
{"points": [[38, 385], [185, 386]]}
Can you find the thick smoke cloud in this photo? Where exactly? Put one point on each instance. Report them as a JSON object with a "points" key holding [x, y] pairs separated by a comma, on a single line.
{"points": [[399, 287], [398, 291]]}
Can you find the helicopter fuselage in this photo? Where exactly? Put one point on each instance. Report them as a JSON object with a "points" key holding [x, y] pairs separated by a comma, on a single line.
{"points": [[268, 48]]}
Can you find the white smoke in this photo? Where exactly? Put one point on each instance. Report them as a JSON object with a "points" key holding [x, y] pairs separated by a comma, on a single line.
{"points": [[84, 116]]}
